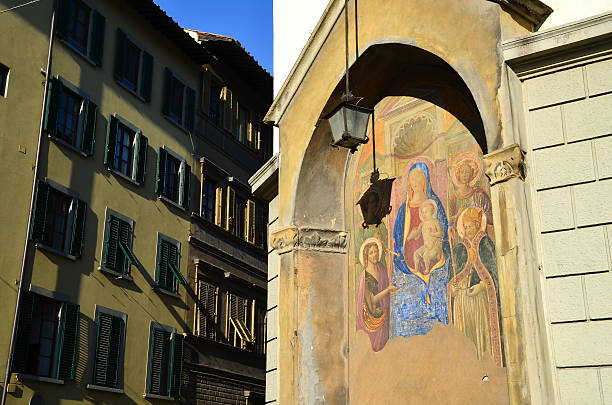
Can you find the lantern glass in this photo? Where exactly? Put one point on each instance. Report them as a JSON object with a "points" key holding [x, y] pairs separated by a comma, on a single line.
{"points": [[357, 118]]}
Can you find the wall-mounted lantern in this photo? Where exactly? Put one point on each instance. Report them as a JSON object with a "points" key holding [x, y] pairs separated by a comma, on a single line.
{"points": [[349, 125]]}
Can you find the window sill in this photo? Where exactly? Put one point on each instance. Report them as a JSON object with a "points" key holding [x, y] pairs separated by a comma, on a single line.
{"points": [[116, 273], [29, 377], [172, 202], [107, 389], [67, 145], [154, 396], [160, 290], [176, 124], [134, 93], [78, 51], [42, 246], [123, 176]]}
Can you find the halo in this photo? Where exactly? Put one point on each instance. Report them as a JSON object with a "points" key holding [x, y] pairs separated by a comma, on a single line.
{"points": [[472, 160], [366, 243], [461, 230]]}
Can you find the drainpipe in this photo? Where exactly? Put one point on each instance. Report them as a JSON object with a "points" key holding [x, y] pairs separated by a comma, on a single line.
{"points": [[27, 238]]}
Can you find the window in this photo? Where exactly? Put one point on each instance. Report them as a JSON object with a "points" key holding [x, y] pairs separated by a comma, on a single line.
{"points": [[82, 28], [70, 116], [209, 191], [165, 366], [215, 102], [241, 128], [133, 66], [126, 149], [179, 101], [207, 309], [4, 76], [117, 254], [238, 332], [58, 221], [240, 218], [167, 274], [110, 343], [47, 331], [173, 178]]}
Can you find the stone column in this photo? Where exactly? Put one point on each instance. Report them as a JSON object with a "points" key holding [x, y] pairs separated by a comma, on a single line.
{"points": [[525, 341]]}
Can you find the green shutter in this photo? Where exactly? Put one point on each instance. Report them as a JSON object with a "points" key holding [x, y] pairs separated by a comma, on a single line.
{"points": [[19, 361], [114, 354], [68, 341], [176, 366], [39, 220], [88, 131], [119, 54], [174, 276], [111, 141], [158, 358], [124, 237], [63, 18], [78, 227], [186, 183], [146, 79], [141, 157], [53, 102], [108, 346], [189, 109], [112, 243], [166, 94], [96, 48], [164, 279], [160, 184]]}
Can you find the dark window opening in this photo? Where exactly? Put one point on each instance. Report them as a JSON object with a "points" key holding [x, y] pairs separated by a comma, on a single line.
{"points": [[209, 189], [68, 116], [215, 102], [176, 100], [124, 152], [172, 178], [4, 72], [43, 336], [240, 218], [57, 220], [79, 28], [132, 65]]}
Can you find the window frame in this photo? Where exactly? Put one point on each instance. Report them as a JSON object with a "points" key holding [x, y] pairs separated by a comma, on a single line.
{"points": [[69, 39], [108, 213], [157, 287], [120, 77], [168, 99], [5, 74], [94, 350], [182, 167], [136, 130], [79, 135], [212, 198], [156, 325]]}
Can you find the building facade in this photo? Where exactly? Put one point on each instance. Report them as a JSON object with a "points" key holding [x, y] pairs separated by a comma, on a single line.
{"points": [[103, 269], [484, 282]]}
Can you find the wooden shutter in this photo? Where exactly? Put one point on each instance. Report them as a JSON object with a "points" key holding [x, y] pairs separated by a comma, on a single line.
{"points": [[88, 130], [69, 332], [111, 242], [146, 76], [79, 209], [160, 183], [206, 90], [176, 366], [167, 253], [119, 54], [173, 259], [124, 237], [63, 18], [51, 110], [250, 219], [189, 109], [219, 206], [230, 209], [111, 141], [166, 94], [158, 361], [19, 361], [258, 132], [228, 116], [185, 191], [108, 346], [207, 309], [250, 128], [141, 143], [39, 220], [96, 41]]}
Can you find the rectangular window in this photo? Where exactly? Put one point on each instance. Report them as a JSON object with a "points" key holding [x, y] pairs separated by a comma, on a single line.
{"points": [[179, 101], [4, 75], [209, 191], [238, 332], [260, 330], [241, 129], [126, 149], [240, 218], [207, 309], [110, 343], [117, 253], [165, 366], [133, 66], [215, 102], [70, 116], [168, 274], [173, 177], [47, 331], [82, 27], [58, 220]]}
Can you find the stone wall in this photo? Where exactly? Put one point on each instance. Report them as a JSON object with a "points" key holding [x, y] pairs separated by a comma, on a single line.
{"points": [[272, 315]]}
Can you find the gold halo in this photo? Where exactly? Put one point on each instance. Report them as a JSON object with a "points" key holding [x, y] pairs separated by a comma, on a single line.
{"points": [[366, 243], [481, 214], [472, 160]]}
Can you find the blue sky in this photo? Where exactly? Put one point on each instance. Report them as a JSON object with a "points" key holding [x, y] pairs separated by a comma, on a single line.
{"points": [[248, 21]]}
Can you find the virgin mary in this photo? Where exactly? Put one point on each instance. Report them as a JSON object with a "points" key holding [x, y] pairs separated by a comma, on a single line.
{"points": [[420, 301]]}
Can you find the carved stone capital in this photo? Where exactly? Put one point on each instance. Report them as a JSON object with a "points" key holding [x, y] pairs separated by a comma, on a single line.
{"points": [[284, 240], [504, 164], [324, 240]]}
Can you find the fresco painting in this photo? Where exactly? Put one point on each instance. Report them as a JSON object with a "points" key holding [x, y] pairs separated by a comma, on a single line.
{"points": [[432, 259]]}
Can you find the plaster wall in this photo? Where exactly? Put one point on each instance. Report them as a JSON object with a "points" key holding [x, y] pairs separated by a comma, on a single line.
{"points": [[24, 49], [272, 372], [566, 11]]}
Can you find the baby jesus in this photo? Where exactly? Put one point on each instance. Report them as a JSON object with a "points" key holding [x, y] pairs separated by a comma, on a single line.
{"points": [[432, 233]]}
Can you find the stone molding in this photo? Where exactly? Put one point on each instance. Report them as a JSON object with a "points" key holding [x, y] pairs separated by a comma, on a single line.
{"points": [[505, 164], [306, 238]]}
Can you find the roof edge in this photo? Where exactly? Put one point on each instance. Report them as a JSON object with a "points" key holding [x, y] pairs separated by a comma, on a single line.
{"points": [[534, 11]]}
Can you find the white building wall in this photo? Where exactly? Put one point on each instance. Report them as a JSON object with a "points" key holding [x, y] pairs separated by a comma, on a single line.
{"points": [[272, 374], [566, 11]]}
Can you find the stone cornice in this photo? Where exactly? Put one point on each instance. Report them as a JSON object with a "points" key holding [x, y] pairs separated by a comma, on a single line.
{"points": [[504, 164], [305, 238]]}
